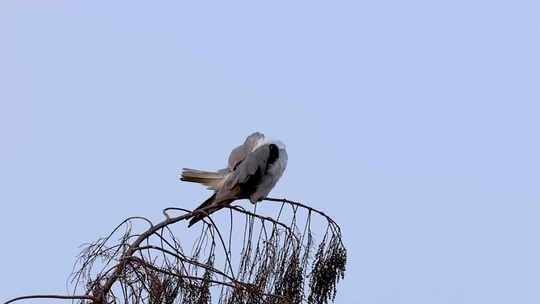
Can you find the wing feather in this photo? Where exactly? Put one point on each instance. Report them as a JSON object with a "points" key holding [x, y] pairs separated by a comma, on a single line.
{"points": [[240, 153], [252, 168]]}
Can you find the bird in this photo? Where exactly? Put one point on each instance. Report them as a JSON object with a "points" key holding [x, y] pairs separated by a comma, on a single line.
{"points": [[253, 169]]}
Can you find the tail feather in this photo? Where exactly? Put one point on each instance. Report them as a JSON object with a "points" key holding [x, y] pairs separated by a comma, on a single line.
{"points": [[211, 179], [199, 216], [211, 205]]}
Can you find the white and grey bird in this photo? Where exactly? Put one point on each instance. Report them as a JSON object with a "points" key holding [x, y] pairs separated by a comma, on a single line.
{"points": [[253, 170]]}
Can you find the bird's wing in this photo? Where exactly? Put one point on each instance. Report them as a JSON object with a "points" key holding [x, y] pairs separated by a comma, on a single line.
{"points": [[249, 171], [240, 153], [237, 156]]}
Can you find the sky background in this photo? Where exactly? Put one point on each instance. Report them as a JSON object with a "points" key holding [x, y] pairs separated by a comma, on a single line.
{"points": [[415, 124]]}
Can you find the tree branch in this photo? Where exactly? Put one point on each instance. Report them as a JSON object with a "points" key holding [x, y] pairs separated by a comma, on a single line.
{"points": [[74, 297]]}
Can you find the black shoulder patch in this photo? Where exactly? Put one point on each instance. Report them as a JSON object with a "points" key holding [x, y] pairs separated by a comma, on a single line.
{"points": [[274, 153]]}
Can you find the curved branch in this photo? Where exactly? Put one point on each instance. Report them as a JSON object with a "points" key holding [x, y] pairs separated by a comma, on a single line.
{"points": [[74, 297], [264, 218], [284, 200], [333, 224], [261, 217]]}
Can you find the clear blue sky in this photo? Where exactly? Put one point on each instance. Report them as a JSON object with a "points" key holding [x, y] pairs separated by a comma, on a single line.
{"points": [[414, 123]]}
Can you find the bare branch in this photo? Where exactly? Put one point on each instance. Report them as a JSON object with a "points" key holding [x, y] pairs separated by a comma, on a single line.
{"points": [[50, 297]]}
